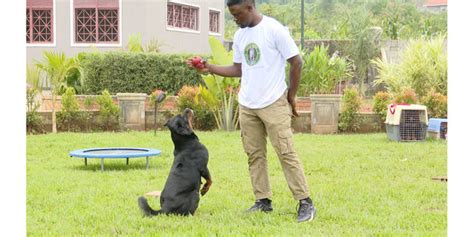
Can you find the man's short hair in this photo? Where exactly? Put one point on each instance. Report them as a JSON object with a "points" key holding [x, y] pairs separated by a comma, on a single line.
{"points": [[238, 2]]}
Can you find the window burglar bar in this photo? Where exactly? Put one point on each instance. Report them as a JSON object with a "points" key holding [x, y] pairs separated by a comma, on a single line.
{"points": [[96, 25], [180, 16], [39, 25], [214, 21], [28, 22]]}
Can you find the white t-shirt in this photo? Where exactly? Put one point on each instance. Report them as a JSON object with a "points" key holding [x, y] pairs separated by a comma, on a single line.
{"points": [[263, 50]]}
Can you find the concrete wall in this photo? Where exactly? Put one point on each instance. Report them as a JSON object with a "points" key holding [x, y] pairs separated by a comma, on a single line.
{"points": [[147, 17], [370, 122]]}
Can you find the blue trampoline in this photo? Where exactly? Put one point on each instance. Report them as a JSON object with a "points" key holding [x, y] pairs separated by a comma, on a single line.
{"points": [[114, 152]]}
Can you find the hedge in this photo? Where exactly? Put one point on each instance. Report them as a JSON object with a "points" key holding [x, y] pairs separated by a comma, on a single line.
{"points": [[127, 72]]}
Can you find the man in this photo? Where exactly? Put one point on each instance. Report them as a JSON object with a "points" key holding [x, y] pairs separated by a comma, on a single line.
{"points": [[262, 46]]}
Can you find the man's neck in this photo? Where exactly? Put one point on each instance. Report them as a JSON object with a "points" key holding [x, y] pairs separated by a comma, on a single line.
{"points": [[258, 18]]}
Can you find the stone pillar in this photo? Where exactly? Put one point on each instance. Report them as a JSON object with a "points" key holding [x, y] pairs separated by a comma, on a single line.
{"points": [[132, 110], [325, 113]]}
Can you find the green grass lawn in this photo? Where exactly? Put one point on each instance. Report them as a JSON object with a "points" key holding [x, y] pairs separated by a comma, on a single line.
{"points": [[360, 184]]}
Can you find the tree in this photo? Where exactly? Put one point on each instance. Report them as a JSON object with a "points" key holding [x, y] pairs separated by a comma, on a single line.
{"points": [[57, 68]]}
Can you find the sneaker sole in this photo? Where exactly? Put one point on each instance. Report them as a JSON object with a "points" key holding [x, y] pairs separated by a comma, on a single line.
{"points": [[311, 218]]}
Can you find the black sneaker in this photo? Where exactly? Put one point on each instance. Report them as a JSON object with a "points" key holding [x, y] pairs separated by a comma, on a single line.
{"points": [[264, 205], [306, 210]]}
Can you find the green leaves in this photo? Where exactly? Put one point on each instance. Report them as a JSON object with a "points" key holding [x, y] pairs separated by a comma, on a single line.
{"points": [[423, 67], [220, 92], [135, 43], [108, 111], [57, 67], [351, 102], [136, 72], [220, 56], [321, 73]]}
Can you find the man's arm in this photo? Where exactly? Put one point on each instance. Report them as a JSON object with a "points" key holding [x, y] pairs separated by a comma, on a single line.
{"points": [[296, 63], [234, 70]]}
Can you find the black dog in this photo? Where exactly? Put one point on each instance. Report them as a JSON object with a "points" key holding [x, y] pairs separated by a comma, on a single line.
{"points": [[181, 193]]}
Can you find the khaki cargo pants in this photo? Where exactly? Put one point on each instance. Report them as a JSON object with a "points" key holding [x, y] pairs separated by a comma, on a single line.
{"points": [[274, 121]]}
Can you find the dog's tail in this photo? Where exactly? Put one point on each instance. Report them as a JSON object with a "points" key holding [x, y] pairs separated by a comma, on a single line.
{"points": [[146, 209]]}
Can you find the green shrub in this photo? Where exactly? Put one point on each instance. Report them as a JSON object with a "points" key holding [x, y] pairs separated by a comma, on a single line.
{"points": [[70, 118], [88, 114], [436, 104], [423, 67], [351, 102], [381, 101], [203, 117], [34, 123], [321, 73], [127, 72], [108, 111]]}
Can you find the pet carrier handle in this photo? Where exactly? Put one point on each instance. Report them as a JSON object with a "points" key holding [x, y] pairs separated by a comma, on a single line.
{"points": [[392, 108]]}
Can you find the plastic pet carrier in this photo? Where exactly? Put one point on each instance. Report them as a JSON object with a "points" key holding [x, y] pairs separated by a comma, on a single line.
{"points": [[438, 128], [406, 122]]}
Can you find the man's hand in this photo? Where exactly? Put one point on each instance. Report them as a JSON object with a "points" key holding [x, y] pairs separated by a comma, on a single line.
{"points": [[296, 63], [292, 101], [201, 68]]}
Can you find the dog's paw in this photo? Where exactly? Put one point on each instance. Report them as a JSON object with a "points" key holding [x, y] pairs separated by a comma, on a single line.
{"points": [[204, 189]]}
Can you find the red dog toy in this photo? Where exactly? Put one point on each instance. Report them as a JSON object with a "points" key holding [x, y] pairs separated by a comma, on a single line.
{"points": [[197, 62]]}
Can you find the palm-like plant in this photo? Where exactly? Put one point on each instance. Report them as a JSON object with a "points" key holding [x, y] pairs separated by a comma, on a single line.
{"points": [[33, 120], [57, 68], [220, 93], [322, 73], [423, 67], [33, 78]]}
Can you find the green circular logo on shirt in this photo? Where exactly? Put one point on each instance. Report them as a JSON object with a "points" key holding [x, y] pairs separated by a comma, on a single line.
{"points": [[252, 54]]}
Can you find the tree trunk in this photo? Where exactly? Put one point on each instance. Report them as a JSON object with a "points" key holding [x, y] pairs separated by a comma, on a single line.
{"points": [[53, 115]]}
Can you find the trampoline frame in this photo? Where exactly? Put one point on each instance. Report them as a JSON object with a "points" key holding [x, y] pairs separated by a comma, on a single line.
{"points": [[147, 152]]}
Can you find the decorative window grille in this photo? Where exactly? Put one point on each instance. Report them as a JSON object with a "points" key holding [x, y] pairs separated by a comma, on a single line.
{"points": [[86, 25], [39, 21], [182, 16], [96, 21], [214, 21], [108, 25], [28, 22]]}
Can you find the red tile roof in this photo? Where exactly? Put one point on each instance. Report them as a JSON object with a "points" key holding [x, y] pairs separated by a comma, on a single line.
{"points": [[430, 3]]}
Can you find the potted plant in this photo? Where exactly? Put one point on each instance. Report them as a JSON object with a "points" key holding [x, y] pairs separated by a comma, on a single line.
{"points": [[320, 76]]}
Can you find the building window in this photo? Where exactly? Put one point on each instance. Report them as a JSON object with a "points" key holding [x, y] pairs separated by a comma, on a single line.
{"points": [[96, 21], [39, 21], [182, 16], [214, 21]]}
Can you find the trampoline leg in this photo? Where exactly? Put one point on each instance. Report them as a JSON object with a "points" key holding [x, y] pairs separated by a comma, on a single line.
{"points": [[127, 160], [85, 161], [102, 164], [147, 163]]}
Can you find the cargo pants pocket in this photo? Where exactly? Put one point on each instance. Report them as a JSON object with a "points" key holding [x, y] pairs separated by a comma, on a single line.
{"points": [[286, 141]]}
